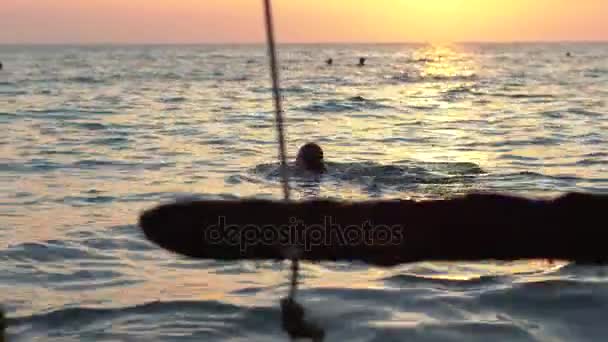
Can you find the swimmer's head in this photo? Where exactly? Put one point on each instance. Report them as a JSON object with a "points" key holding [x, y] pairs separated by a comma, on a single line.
{"points": [[310, 158]]}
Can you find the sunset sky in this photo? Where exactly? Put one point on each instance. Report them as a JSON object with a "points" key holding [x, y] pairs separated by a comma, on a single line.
{"points": [[240, 21]]}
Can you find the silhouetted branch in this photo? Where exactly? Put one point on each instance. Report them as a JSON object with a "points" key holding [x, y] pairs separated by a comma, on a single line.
{"points": [[386, 233]]}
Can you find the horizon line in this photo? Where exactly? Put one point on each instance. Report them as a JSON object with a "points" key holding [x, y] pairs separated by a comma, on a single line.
{"points": [[505, 42]]}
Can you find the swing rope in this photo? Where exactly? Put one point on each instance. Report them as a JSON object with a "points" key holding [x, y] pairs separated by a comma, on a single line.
{"points": [[278, 105], [293, 313], [279, 121]]}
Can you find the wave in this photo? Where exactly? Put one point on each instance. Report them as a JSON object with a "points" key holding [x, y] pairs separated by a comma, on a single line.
{"points": [[352, 104], [519, 95], [553, 114], [64, 112], [78, 79], [421, 60], [45, 165], [174, 99], [242, 78], [110, 141], [586, 113], [35, 165], [93, 126], [373, 175], [591, 162], [85, 80], [533, 182], [51, 251], [595, 72], [95, 163], [289, 90], [418, 78], [413, 280], [87, 315], [460, 90], [535, 141], [13, 92]]}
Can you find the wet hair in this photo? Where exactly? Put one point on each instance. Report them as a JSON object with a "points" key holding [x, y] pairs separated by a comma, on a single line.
{"points": [[310, 157], [362, 61]]}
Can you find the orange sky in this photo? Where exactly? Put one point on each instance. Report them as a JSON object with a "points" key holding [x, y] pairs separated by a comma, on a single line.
{"points": [[199, 21]]}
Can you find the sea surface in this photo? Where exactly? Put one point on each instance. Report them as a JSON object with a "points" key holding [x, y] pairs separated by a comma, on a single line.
{"points": [[93, 135]]}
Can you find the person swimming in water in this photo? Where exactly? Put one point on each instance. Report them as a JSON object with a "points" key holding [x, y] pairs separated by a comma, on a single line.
{"points": [[330, 61], [362, 61], [310, 158]]}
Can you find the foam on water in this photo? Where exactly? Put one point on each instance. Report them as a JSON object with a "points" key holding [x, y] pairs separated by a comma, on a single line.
{"points": [[94, 135]]}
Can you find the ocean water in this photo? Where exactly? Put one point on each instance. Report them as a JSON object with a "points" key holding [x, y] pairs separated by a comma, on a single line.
{"points": [[91, 136]]}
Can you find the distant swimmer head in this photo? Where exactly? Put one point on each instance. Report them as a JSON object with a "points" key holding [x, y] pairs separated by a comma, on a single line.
{"points": [[362, 61], [1, 66], [568, 54], [310, 158], [330, 61]]}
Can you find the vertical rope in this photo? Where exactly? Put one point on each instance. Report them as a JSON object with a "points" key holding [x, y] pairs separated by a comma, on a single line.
{"points": [[278, 107], [295, 267], [293, 319], [276, 91]]}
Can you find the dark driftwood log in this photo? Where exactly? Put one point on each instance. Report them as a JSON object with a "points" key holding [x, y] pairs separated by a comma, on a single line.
{"points": [[475, 227]]}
